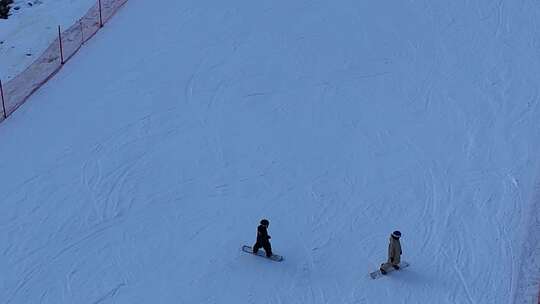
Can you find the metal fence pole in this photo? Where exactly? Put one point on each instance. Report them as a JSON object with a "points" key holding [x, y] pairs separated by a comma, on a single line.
{"points": [[100, 17], [61, 50], [82, 32], [3, 104]]}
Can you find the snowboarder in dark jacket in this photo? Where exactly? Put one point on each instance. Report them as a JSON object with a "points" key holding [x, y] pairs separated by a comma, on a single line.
{"points": [[263, 239]]}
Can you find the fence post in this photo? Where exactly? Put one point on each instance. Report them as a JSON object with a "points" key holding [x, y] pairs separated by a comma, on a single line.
{"points": [[61, 50], [82, 32], [3, 104], [100, 17]]}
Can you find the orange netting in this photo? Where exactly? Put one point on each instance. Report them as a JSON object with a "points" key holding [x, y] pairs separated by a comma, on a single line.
{"points": [[21, 87]]}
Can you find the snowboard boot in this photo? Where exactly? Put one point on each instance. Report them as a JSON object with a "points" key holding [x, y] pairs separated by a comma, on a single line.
{"points": [[396, 267], [383, 272]]}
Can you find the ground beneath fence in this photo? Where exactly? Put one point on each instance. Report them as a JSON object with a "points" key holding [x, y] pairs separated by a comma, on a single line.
{"points": [[60, 50], [31, 28]]}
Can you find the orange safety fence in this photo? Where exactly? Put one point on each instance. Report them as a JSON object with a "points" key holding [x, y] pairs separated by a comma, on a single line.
{"points": [[17, 90]]}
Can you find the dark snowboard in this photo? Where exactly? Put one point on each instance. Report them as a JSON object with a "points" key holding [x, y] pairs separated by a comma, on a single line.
{"points": [[261, 253], [377, 274]]}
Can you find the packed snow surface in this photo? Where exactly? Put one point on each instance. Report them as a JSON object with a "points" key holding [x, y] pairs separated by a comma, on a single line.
{"points": [[31, 28], [138, 172]]}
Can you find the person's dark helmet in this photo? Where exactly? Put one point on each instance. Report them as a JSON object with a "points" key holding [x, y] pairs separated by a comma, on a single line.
{"points": [[265, 222], [396, 234]]}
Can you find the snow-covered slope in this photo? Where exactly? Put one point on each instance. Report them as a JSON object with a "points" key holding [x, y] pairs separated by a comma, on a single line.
{"points": [[32, 28], [137, 173]]}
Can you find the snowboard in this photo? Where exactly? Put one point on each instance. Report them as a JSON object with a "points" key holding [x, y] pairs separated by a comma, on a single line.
{"points": [[261, 253], [377, 274]]}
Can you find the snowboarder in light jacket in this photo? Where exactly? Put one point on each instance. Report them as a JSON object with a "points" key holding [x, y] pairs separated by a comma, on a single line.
{"points": [[263, 239], [394, 253]]}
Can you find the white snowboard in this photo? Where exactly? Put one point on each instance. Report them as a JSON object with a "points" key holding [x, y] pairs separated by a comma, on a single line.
{"points": [[377, 274], [261, 253]]}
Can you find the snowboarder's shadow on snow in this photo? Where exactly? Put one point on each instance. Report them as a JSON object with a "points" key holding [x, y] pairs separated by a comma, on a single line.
{"points": [[412, 277]]}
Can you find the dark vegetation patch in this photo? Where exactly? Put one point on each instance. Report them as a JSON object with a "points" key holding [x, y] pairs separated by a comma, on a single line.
{"points": [[4, 8]]}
